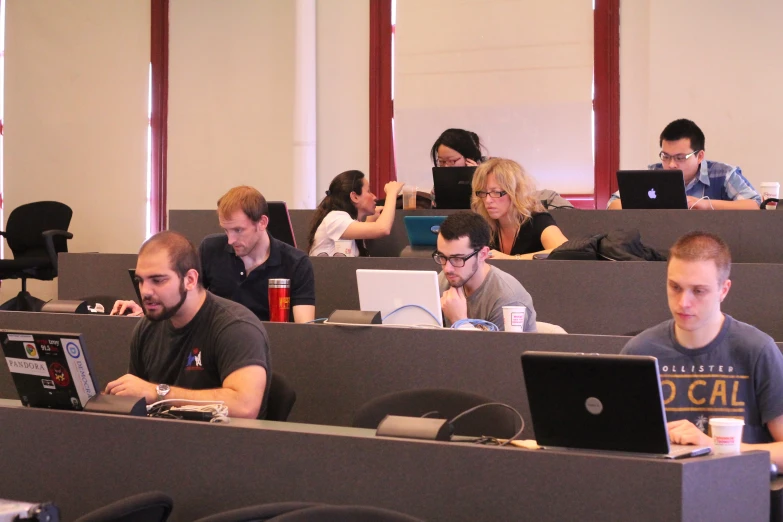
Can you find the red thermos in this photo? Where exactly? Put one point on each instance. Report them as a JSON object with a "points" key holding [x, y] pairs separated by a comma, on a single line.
{"points": [[279, 300]]}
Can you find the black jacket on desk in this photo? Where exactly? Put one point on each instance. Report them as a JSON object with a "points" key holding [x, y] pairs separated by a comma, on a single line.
{"points": [[224, 274]]}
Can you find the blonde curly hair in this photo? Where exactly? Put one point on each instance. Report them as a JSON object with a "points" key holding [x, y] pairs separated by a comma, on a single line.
{"points": [[512, 179]]}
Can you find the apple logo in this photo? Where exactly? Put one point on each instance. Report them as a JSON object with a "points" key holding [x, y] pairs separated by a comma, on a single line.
{"points": [[651, 193]]}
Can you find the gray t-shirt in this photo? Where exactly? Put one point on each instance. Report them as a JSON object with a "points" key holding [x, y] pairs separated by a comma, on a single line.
{"points": [[499, 289], [222, 337], [738, 374]]}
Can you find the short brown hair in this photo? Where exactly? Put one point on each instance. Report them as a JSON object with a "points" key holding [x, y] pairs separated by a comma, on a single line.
{"points": [[244, 198], [183, 256], [703, 246]]}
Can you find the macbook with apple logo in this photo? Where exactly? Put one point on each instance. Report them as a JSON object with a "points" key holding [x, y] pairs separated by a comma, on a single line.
{"points": [[652, 189]]}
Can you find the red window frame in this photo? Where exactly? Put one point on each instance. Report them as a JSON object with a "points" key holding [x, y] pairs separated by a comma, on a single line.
{"points": [[606, 102]]}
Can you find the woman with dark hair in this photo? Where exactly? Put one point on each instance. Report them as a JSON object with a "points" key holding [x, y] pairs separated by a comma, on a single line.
{"points": [[348, 213], [457, 148]]}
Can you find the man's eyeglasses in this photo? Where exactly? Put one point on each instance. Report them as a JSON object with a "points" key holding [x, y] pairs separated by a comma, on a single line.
{"points": [[678, 158], [495, 194], [448, 162], [456, 261]]}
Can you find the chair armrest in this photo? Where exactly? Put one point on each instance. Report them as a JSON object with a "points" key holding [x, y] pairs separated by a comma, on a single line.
{"points": [[49, 239]]}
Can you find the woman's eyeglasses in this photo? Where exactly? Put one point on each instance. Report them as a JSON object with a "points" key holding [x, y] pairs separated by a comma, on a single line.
{"points": [[495, 194]]}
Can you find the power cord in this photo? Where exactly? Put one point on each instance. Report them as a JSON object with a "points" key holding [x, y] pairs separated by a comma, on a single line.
{"points": [[479, 323], [183, 409], [701, 198], [383, 319], [474, 408]]}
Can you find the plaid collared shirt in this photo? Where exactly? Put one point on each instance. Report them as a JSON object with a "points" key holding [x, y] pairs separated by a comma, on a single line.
{"points": [[716, 181]]}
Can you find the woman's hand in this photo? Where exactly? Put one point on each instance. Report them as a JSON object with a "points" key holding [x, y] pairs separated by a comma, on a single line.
{"points": [[393, 188], [470, 163]]}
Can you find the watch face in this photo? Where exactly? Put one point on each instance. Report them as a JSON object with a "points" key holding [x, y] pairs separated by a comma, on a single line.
{"points": [[163, 389]]}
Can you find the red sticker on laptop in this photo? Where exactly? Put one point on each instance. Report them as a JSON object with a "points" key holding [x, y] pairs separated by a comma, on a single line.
{"points": [[59, 375]]}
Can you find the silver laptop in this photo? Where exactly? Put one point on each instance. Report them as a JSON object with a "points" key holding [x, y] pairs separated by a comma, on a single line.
{"points": [[404, 297], [600, 402], [652, 189]]}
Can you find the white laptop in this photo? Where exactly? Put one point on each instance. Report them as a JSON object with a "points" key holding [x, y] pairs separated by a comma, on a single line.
{"points": [[404, 297]]}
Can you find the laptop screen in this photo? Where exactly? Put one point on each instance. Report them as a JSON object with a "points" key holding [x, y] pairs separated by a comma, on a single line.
{"points": [[453, 186], [413, 298], [652, 189], [599, 402], [49, 369], [280, 223]]}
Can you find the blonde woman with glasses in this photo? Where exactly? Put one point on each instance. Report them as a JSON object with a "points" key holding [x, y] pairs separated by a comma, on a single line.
{"points": [[504, 194]]}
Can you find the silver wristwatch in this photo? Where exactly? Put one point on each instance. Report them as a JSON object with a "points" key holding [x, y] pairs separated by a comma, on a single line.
{"points": [[162, 390]]}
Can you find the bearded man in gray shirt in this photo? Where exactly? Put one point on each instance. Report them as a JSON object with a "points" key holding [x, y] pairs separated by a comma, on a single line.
{"points": [[470, 288]]}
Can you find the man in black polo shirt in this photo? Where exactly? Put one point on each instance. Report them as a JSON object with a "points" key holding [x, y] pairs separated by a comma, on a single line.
{"points": [[191, 344], [238, 265]]}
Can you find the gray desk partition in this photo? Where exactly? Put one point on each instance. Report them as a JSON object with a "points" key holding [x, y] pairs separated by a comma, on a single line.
{"points": [[586, 297], [336, 369], [82, 461], [752, 236]]}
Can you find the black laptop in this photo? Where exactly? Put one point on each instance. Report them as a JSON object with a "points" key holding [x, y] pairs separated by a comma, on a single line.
{"points": [[280, 223], [599, 402], [49, 369], [453, 186], [652, 189]]}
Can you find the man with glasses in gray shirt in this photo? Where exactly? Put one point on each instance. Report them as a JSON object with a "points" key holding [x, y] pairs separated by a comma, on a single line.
{"points": [[709, 185], [471, 288]]}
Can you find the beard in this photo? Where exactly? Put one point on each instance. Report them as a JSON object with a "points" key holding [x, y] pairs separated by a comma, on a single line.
{"points": [[460, 281], [165, 312]]}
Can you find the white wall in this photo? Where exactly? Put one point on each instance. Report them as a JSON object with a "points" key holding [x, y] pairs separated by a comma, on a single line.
{"points": [[75, 126], [519, 74], [716, 62], [343, 89], [231, 99]]}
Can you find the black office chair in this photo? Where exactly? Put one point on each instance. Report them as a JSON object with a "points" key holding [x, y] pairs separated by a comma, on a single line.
{"points": [[259, 513], [281, 398], [495, 421], [345, 514], [152, 506], [767, 201], [36, 233]]}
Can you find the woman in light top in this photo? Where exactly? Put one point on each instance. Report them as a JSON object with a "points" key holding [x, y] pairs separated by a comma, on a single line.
{"points": [[348, 215], [505, 195]]}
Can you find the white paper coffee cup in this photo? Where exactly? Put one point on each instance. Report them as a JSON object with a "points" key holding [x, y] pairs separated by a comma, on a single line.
{"points": [[343, 247], [769, 189], [726, 435], [514, 318]]}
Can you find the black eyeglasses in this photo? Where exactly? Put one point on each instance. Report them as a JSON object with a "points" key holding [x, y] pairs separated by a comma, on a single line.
{"points": [[495, 194], [456, 261]]}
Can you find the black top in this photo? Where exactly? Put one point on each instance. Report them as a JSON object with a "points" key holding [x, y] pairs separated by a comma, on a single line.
{"points": [[529, 237], [224, 274], [221, 338]]}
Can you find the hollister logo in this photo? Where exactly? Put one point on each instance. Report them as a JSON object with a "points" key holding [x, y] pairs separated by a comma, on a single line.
{"points": [[194, 361]]}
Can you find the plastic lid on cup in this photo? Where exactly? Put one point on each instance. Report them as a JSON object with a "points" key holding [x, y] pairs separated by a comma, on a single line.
{"points": [[726, 421]]}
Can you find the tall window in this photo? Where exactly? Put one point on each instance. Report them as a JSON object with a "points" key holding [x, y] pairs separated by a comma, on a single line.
{"points": [[2, 115]]}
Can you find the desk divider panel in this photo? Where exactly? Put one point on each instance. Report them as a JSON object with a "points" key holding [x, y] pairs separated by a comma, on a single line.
{"points": [[336, 369], [752, 236], [585, 297], [208, 468]]}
